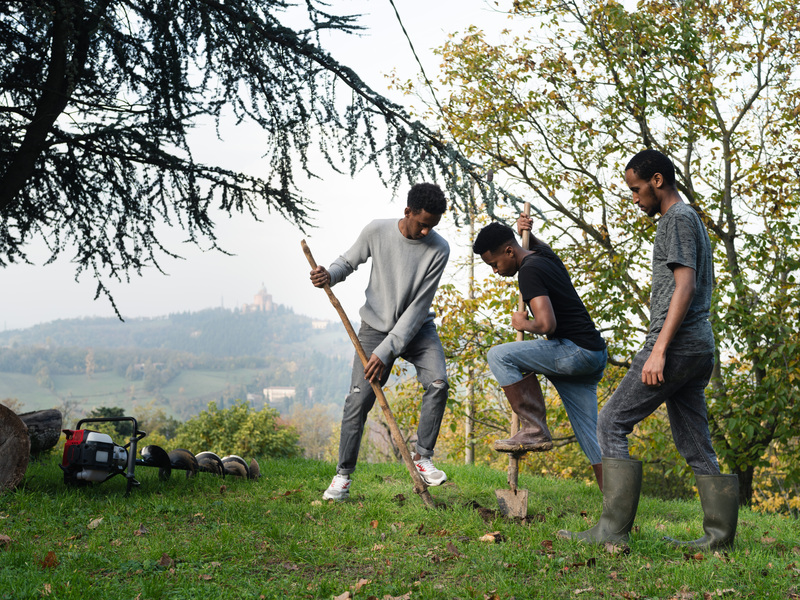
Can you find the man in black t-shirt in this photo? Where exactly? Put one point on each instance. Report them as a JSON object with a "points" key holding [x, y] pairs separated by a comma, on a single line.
{"points": [[573, 357]]}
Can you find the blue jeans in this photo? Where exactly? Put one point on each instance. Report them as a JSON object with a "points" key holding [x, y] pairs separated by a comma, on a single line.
{"points": [[426, 354], [574, 371], [683, 390]]}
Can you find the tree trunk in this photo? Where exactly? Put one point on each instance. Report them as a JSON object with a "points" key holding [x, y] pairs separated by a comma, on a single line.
{"points": [[44, 428], [15, 449]]}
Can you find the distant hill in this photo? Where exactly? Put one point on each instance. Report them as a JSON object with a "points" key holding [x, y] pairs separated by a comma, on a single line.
{"points": [[213, 332], [180, 361]]}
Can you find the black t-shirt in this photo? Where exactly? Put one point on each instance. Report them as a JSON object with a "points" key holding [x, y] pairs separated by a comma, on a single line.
{"points": [[543, 274]]}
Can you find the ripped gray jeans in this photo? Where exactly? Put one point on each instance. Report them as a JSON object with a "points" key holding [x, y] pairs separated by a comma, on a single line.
{"points": [[426, 354]]}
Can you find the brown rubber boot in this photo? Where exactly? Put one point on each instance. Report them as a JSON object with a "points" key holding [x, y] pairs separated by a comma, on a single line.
{"points": [[525, 398]]}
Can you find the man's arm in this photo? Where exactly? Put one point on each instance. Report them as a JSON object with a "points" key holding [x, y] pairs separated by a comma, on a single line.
{"points": [[544, 321], [685, 284]]}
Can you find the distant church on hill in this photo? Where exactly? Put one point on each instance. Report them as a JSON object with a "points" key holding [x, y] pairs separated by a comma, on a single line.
{"points": [[262, 302]]}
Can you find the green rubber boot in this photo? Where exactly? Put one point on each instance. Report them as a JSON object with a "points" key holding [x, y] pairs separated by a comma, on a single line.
{"points": [[719, 497], [622, 483]]}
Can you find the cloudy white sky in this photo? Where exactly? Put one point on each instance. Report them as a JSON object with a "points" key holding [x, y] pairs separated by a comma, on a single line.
{"points": [[269, 252]]}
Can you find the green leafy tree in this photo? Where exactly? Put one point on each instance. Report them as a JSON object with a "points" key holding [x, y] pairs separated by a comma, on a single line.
{"points": [[120, 431], [559, 110], [98, 98], [238, 430]]}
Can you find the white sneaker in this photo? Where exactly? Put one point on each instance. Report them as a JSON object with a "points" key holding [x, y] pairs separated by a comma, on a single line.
{"points": [[430, 474], [339, 489]]}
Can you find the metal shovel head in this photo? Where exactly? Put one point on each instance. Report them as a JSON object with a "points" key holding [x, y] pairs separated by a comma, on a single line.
{"points": [[513, 503]]}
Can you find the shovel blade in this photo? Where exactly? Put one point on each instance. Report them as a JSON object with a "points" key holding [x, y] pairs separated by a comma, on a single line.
{"points": [[513, 503]]}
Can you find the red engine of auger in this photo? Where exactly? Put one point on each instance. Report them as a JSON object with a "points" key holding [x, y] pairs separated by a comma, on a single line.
{"points": [[90, 456]]}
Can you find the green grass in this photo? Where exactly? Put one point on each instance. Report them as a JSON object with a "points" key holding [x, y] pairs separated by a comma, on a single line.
{"points": [[275, 538]]}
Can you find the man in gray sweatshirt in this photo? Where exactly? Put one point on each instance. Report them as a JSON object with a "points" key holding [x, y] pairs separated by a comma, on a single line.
{"points": [[408, 259]]}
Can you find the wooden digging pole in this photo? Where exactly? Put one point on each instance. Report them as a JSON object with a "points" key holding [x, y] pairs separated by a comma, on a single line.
{"points": [[419, 485], [513, 459]]}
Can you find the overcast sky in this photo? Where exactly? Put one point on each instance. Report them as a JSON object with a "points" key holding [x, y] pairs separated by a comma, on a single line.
{"points": [[269, 252]]}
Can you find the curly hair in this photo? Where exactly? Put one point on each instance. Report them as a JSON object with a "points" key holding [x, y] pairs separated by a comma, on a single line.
{"points": [[428, 197], [491, 237]]}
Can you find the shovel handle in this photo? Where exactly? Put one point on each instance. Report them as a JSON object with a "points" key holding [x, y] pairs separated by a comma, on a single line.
{"points": [[513, 460], [419, 485]]}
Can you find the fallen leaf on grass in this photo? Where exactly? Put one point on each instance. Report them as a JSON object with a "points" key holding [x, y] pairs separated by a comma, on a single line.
{"points": [[683, 594], [373, 524], [206, 577], [360, 584], [451, 548], [166, 561], [495, 537], [290, 566], [50, 561], [698, 557], [223, 489], [5, 540], [47, 590], [616, 548], [547, 545], [116, 543], [286, 493], [583, 591], [316, 503], [95, 523], [768, 540], [345, 596], [377, 547], [142, 530]]}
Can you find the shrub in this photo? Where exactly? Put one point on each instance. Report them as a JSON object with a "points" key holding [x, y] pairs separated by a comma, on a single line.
{"points": [[238, 430]]}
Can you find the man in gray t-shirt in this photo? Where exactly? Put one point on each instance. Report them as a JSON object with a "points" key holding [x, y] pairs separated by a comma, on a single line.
{"points": [[408, 259], [673, 368]]}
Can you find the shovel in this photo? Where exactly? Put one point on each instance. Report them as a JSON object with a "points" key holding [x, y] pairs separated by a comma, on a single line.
{"points": [[419, 485], [513, 502]]}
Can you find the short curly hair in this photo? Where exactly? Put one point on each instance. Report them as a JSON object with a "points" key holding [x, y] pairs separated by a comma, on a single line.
{"points": [[428, 197], [491, 237], [649, 162]]}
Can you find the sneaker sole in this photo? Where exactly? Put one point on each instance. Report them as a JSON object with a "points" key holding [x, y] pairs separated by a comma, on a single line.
{"points": [[327, 497], [434, 483]]}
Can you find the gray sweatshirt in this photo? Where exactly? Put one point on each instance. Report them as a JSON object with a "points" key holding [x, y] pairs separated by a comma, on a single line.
{"points": [[404, 277]]}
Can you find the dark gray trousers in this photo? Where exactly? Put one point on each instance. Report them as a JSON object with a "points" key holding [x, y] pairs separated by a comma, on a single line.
{"points": [[683, 391]]}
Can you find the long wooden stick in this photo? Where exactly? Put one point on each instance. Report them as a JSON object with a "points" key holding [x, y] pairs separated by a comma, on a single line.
{"points": [[513, 459], [419, 484]]}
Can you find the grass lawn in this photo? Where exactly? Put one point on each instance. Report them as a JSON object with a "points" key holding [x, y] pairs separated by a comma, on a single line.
{"points": [[207, 537]]}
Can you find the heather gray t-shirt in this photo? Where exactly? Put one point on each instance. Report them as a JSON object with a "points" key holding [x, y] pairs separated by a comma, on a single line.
{"points": [[681, 239], [402, 283]]}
